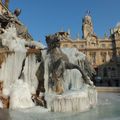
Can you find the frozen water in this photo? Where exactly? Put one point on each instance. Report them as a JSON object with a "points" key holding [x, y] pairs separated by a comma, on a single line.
{"points": [[29, 72], [72, 78], [13, 63], [1, 104], [19, 66], [77, 95], [73, 54], [10, 70], [35, 109], [20, 96], [100, 112], [80, 100], [35, 43], [10, 39]]}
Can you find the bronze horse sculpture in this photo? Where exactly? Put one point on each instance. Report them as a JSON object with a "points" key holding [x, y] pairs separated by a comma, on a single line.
{"points": [[59, 62]]}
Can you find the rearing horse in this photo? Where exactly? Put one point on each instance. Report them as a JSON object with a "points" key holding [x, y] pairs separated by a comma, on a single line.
{"points": [[59, 62]]}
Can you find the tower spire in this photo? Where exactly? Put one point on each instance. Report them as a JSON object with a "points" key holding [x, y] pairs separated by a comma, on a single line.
{"points": [[62, 29], [78, 35], [88, 12], [69, 31]]}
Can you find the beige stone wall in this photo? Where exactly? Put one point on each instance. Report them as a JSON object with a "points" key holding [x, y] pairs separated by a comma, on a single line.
{"points": [[100, 52]]}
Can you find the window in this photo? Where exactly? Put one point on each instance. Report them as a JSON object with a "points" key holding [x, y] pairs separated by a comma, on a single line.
{"points": [[75, 46], [110, 45], [103, 56], [119, 53], [103, 45], [93, 57], [113, 69], [81, 46], [110, 54], [65, 45], [105, 74]]}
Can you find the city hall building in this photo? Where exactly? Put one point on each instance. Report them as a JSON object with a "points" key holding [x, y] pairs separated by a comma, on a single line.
{"points": [[103, 53]]}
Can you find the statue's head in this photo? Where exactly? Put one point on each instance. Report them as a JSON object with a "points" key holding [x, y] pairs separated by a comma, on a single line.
{"points": [[53, 41], [17, 12]]}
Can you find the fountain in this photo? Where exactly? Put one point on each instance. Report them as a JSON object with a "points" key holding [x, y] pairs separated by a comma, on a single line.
{"points": [[58, 79], [67, 81], [47, 83], [51, 77], [33, 74]]}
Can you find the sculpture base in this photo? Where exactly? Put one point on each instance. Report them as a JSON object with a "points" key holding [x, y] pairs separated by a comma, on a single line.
{"points": [[73, 101]]}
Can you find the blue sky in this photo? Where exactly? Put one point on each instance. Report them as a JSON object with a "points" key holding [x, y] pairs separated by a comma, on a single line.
{"points": [[44, 17]]}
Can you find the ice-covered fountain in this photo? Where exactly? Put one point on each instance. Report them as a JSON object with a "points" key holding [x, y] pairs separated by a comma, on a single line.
{"points": [[66, 78], [58, 79]]}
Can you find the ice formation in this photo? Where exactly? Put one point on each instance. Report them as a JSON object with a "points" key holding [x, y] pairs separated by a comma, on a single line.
{"points": [[73, 78], [19, 70], [20, 96], [77, 96], [1, 104], [18, 63], [79, 100], [10, 39]]}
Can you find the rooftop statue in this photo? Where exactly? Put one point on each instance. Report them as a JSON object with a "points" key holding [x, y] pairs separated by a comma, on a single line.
{"points": [[8, 19]]}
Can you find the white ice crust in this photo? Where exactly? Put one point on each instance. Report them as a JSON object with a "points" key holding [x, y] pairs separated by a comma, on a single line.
{"points": [[77, 95], [20, 96]]}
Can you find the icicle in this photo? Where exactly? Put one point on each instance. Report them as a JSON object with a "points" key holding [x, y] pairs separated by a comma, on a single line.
{"points": [[1, 104], [29, 72], [20, 96]]}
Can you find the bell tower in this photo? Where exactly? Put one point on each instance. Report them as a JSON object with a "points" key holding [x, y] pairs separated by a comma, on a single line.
{"points": [[87, 26]]}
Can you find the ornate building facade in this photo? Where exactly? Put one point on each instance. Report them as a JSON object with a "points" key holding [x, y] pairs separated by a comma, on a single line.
{"points": [[103, 53]]}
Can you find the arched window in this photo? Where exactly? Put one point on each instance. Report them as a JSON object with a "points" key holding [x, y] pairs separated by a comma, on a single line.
{"points": [[75, 46]]}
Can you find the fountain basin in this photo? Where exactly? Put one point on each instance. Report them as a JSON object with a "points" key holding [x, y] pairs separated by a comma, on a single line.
{"points": [[73, 101], [106, 109]]}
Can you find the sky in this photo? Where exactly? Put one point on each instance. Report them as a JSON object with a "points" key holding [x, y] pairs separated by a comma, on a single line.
{"points": [[44, 17]]}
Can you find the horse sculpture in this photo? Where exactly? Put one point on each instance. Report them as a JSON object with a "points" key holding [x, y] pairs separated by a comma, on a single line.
{"points": [[59, 62]]}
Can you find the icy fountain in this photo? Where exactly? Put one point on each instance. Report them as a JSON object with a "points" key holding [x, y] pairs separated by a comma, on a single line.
{"points": [[67, 78], [24, 70], [58, 79]]}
